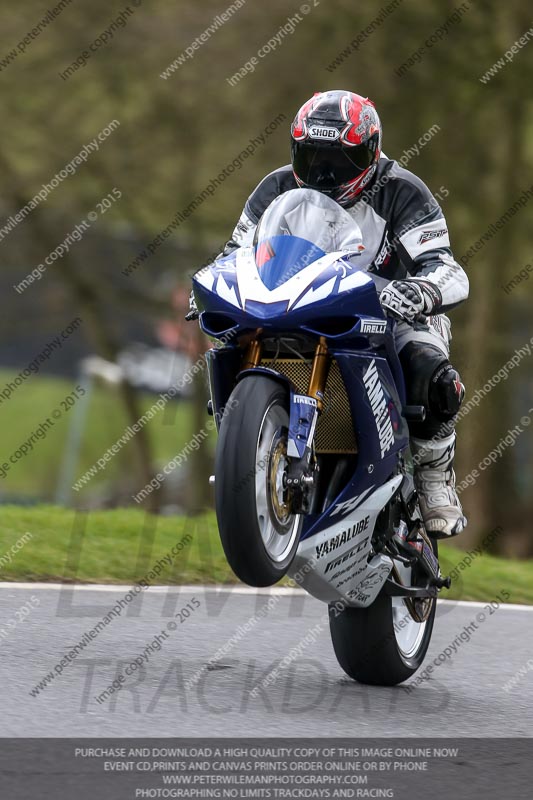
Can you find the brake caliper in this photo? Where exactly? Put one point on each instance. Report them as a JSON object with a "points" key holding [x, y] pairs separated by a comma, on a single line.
{"points": [[301, 471]]}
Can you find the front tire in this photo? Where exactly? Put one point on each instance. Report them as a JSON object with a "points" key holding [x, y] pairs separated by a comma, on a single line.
{"points": [[259, 534]]}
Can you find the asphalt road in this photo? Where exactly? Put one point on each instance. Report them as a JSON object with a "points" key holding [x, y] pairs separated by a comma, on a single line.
{"points": [[464, 696]]}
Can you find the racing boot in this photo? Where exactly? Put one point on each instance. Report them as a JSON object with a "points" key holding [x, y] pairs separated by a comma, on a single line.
{"points": [[435, 483]]}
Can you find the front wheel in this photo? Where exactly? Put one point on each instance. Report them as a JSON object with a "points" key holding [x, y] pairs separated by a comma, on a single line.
{"points": [[383, 644], [259, 533]]}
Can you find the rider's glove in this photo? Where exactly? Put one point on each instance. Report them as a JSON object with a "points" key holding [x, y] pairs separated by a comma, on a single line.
{"points": [[193, 308], [409, 299]]}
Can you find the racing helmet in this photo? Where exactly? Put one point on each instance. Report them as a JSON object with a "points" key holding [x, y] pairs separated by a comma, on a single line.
{"points": [[336, 144]]}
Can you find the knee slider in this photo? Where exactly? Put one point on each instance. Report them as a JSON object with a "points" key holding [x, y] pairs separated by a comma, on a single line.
{"points": [[430, 381], [446, 391]]}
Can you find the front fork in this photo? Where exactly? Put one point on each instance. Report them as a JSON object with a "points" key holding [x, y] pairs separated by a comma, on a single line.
{"points": [[300, 475]]}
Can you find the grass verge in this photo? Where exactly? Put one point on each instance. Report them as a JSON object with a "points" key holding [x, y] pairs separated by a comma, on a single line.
{"points": [[123, 545], [37, 477]]}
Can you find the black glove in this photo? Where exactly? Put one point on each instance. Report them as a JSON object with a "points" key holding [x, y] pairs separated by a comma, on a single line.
{"points": [[408, 299], [193, 309]]}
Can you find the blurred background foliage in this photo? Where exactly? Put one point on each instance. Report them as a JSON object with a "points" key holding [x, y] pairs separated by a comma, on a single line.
{"points": [[177, 134]]}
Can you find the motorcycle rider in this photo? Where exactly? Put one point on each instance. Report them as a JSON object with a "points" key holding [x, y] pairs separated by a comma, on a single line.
{"points": [[336, 149]]}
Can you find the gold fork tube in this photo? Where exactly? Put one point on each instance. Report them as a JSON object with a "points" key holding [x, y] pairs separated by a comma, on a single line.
{"points": [[319, 373], [252, 357]]}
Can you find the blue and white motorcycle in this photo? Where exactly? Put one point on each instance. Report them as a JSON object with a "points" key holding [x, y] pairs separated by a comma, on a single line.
{"points": [[311, 471]]}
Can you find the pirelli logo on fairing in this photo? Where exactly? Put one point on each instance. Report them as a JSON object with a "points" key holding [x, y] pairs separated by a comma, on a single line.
{"points": [[337, 562], [373, 326], [379, 408]]}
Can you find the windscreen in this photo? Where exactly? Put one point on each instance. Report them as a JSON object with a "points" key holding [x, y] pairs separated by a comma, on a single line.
{"points": [[312, 216], [299, 227]]}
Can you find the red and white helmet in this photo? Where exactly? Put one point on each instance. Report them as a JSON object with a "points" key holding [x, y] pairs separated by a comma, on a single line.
{"points": [[336, 144]]}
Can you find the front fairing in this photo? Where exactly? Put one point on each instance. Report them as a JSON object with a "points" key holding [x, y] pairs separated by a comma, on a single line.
{"points": [[285, 295]]}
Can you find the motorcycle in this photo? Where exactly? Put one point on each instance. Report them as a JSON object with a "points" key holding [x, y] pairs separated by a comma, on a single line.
{"points": [[312, 471]]}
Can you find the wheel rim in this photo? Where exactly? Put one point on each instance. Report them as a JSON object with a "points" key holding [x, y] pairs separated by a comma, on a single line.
{"points": [[409, 633], [278, 527]]}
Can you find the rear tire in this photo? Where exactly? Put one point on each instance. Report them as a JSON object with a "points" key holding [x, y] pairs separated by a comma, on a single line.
{"points": [[259, 535], [381, 645]]}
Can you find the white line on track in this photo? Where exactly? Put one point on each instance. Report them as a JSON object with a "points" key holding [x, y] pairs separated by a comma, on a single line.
{"points": [[286, 591]]}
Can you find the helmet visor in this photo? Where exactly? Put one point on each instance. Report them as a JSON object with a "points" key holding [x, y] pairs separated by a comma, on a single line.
{"points": [[325, 167]]}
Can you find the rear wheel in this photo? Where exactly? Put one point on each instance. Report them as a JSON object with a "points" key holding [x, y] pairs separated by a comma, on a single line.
{"points": [[259, 533], [383, 644]]}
